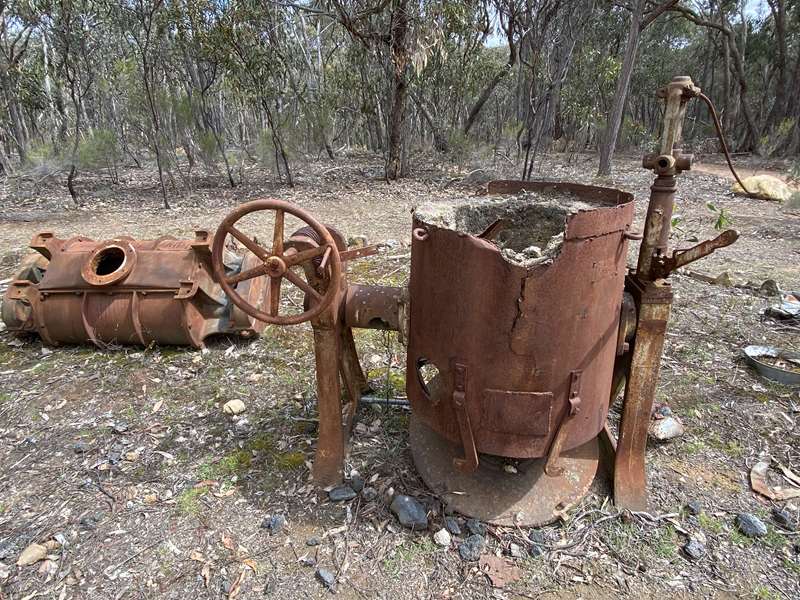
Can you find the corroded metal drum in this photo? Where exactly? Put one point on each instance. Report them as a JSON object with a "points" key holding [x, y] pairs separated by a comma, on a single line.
{"points": [[127, 291], [523, 326], [515, 304]]}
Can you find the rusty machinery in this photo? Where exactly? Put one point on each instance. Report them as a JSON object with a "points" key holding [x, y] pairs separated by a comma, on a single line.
{"points": [[127, 291], [511, 366], [513, 359]]}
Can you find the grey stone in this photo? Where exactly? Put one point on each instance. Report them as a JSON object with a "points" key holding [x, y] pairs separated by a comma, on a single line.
{"points": [[694, 549], [357, 483], [341, 493], [274, 523], [770, 288], [390, 244], [535, 550], [327, 578], [313, 541], [90, 521], [472, 547], [308, 561], [368, 494], [7, 549], [784, 519], [536, 536], [451, 524], [119, 427], [475, 527], [693, 507], [750, 525], [664, 411], [409, 512], [442, 538]]}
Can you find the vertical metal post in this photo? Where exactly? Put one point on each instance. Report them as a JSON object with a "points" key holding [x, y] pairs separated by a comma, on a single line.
{"points": [[653, 297]]}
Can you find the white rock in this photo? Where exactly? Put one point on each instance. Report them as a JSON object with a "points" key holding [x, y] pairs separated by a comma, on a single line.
{"points": [[765, 186], [517, 551], [666, 429], [32, 554], [442, 538], [234, 407]]}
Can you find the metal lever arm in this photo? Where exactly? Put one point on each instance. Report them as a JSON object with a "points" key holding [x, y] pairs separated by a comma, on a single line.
{"points": [[681, 258]]}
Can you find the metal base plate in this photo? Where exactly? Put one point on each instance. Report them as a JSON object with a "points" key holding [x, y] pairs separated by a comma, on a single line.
{"points": [[527, 498]]}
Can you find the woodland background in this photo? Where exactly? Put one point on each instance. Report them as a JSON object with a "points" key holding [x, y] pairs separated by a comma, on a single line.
{"points": [[196, 85]]}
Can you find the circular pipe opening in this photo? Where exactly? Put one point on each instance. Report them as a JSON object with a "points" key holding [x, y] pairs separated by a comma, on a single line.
{"points": [[108, 261], [108, 264]]}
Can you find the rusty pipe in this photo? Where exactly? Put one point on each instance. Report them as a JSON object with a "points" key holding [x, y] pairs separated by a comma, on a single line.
{"points": [[657, 225], [373, 307]]}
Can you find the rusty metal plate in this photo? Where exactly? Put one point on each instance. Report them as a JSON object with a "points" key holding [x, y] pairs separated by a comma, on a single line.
{"points": [[529, 498]]}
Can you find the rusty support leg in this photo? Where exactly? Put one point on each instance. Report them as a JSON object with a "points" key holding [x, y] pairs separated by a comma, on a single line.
{"points": [[630, 483], [353, 377], [329, 460], [608, 443]]}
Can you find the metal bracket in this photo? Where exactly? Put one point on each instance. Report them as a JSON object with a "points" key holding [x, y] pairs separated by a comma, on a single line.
{"points": [[551, 466], [469, 463]]}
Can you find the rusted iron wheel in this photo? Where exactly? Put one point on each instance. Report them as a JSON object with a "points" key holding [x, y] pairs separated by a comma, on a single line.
{"points": [[277, 263]]}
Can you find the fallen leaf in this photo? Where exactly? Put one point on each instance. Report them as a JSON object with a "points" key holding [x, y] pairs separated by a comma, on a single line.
{"points": [[499, 570], [205, 572], [252, 564], [236, 586], [789, 474], [195, 555], [758, 481], [157, 406], [228, 542], [32, 554], [204, 484]]}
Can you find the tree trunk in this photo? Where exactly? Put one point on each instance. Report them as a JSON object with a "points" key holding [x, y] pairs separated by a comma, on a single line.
{"points": [[623, 84], [485, 95], [440, 142], [397, 115], [778, 112]]}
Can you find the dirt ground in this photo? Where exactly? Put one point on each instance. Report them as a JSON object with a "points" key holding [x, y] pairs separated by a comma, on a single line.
{"points": [[125, 457]]}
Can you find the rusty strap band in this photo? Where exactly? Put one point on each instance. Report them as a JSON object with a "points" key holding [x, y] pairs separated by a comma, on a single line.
{"points": [[469, 463]]}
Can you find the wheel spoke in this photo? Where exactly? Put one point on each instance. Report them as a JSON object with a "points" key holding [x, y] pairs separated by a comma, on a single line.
{"points": [[304, 255], [274, 295], [277, 234], [302, 284], [248, 274], [248, 243]]}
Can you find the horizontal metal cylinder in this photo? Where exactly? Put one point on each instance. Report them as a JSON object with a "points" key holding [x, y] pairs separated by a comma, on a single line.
{"points": [[373, 307], [127, 291]]}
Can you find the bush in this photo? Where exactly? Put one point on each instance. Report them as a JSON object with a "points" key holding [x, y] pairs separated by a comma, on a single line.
{"points": [[99, 151]]}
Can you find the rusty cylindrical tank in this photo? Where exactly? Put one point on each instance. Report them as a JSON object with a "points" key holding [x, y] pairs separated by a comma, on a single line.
{"points": [[515, 349], [127, 291]]}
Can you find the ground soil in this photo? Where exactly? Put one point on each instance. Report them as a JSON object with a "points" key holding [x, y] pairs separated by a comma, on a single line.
{"points": [[125, 457]]}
